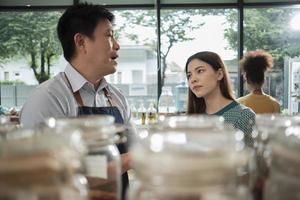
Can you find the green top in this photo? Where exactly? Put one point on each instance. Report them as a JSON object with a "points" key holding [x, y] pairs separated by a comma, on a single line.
{"points": [[240, 117]]}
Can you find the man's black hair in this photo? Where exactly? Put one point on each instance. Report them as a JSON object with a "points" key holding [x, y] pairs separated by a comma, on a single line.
{"points": [[82, 18]]}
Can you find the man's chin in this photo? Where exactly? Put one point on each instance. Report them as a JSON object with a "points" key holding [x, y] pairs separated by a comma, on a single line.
{"points": [[112, 70]]}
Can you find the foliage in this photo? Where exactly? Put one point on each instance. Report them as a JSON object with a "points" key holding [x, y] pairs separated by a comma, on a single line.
{"points": [[31, 35], [175, 27], [268, 29], [17, 82]]}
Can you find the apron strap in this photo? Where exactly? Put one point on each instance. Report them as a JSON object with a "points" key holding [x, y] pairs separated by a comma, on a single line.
{"points": [[108, 96], [78, 98]]}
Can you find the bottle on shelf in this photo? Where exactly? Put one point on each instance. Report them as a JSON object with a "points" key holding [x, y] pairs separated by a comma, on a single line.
{"points": [[142, 114], [166, 101], [134, 112], [181, 96], [151, 114]]}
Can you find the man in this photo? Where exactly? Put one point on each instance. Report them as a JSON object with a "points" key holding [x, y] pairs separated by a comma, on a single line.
{"points": [[87, 38]]}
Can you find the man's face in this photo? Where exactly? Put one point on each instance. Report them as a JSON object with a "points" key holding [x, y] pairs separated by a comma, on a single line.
{"points": [[101, 50]]}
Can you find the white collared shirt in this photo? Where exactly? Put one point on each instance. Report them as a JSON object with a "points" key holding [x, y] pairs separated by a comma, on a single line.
{"points": [[54, 98]]}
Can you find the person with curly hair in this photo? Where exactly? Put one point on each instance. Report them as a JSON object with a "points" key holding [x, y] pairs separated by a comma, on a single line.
{"points": [[253, 66]]}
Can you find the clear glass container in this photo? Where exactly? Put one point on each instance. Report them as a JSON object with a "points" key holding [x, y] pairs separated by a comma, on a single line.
{"points": [[188, 157], [284, 180], [103, 162], [142, 114], [36, 164], [151, 114], [166, 103], [6, 126], [268, 127]]}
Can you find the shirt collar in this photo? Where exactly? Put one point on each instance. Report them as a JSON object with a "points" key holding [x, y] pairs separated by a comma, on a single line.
{"points": [[103, 84], [77, 81], [75, 78]]}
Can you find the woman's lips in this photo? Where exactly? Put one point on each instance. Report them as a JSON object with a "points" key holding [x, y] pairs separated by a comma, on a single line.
{"points": [[197, 87]]}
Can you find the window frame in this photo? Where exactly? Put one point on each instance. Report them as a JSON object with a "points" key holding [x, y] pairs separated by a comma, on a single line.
{"points": [[240, 5]]}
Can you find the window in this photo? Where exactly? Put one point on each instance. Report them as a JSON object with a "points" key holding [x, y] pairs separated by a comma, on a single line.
{"points": [[272, 29], [137, 76], [119, 77], [184, 31], [6, 76], [188, 31], [16, 74], [24, 35], [136, 35]]}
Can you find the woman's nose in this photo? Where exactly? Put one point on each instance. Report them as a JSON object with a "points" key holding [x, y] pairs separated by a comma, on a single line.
{"points": [[194, 79]]}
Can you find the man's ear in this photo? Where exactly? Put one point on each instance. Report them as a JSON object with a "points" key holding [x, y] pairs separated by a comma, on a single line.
{"points": [[79, 41], [220, 74]]}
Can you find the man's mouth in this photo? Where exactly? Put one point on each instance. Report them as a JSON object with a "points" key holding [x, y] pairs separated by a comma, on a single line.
{"points": [[114, 57]]}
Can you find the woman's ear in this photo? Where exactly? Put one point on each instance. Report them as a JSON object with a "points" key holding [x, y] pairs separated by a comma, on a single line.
{"points": [[220, 74], [244, 77]]}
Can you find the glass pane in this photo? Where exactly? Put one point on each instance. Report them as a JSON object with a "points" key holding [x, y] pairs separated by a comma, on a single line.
{"points": [[36, 3], [118, 2], [29, 53], [137, 62], [263, 1], [185, 32], [197, 1], [277, 31]]}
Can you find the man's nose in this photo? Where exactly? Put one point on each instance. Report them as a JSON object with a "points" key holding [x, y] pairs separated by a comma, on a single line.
{"points": [[116, 45]]}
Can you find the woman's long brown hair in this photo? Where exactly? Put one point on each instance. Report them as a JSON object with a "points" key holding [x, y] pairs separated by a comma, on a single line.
{"points": [[197, 104]]}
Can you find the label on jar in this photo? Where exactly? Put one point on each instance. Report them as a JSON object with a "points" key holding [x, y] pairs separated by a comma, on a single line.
{"points": [[96, 166]]}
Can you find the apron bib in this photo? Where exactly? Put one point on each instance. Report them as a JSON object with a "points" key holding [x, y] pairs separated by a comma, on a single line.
{"points": [[108, 110]]}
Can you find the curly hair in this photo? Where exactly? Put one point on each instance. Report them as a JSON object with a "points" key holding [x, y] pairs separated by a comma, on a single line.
{"points": [[254, 64]]}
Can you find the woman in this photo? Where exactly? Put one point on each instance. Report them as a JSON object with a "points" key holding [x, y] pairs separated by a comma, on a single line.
{"points": [[210, 92], [254, 65]]}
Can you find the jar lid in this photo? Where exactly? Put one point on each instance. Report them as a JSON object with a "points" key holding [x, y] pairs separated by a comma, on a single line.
{"points": [[276, 120], [6, 126], [4, 119], [41, 139], [269, 125], [95, 130], [192, 122]]}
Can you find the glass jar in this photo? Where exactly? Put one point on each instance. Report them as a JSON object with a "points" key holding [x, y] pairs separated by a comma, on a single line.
{"points": [[6, 126], [268, 126], [103, 162], [188, 157], [36, 164], [284, 180]]}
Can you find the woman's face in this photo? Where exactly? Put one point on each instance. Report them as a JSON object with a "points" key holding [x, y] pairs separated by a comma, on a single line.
{"points": [[202, 78]]}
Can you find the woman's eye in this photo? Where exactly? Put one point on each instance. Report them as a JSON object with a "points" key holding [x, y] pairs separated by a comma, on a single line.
{"points": [[200, 70]]}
